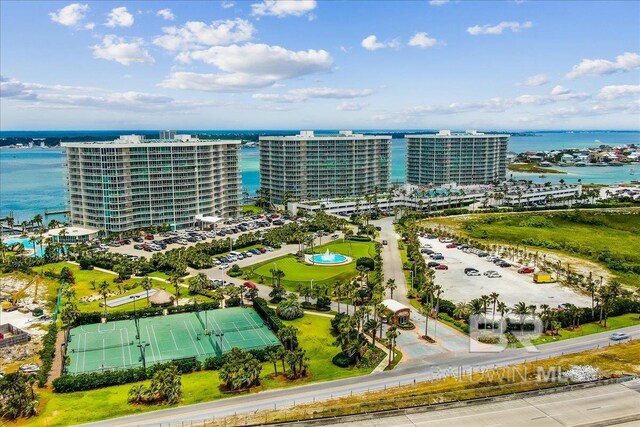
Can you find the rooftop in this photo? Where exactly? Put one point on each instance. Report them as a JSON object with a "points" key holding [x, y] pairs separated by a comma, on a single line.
{"points": [[73, 231], [309, 134], [465, 134]]}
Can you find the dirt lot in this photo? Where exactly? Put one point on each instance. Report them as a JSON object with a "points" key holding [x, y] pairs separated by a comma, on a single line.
{"points": [[512, 286]]}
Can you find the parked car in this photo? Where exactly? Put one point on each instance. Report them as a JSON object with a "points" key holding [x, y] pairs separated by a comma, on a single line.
{"points": [[250, 285], [492, 274], [139, 247], [384, 242], [469, 269], [451, 245], [149, 237], [436, 256], [473, 273], [433, 264], [525, 270], [441, 267], [30, 368], [503, 264]]}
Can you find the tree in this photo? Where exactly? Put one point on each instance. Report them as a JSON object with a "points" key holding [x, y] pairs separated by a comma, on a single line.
{"points": [[273, 357], [391, 286], [66, 275], [494, 300], [197, 283], [391, 335], [17, 397], [174, 279], [371, 326], [104, 291], [240, 370], [290, 308], [166, 385], [288, 335], [365, 262], [146, 284], [277, 293]]}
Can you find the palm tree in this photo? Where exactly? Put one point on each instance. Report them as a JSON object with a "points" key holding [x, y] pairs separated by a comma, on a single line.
{"points": [[198, 283], [338, 288], [37, 219], [522, 310], [104, 291], [372, 326], [290, 308], [146, 285], [437, 291], [391, 335], [502, 309], [494, 300], [174, 280], [391, 286]]}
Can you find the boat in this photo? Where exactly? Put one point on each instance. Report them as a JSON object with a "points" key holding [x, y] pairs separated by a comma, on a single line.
{"points": [[581, 164], [542, 176]]}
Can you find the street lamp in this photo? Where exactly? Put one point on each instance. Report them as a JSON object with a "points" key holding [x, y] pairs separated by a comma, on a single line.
{"points": [[135, 317], [143, 351]]}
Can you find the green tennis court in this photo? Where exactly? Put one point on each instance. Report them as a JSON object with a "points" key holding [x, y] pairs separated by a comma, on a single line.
{"points": [[115, 345]]}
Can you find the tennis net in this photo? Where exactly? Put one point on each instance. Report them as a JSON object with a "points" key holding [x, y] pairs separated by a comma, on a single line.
{"points": [[240, 328], [106, 347], [200, 319]]}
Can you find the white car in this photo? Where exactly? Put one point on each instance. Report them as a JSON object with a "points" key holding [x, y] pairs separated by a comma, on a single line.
{"points": [[223, 266], [619, 336], [473, 273]]}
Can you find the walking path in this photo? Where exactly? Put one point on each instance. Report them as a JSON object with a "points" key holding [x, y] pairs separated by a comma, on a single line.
{"points": [[391, 261]]}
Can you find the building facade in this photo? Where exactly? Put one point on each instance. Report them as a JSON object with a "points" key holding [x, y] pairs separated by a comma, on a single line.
{"points": [[132, 182], [461, 158], [306, 166]]}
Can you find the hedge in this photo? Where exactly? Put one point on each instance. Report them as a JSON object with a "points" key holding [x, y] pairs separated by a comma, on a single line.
{"points": [[359, 238], [88, 381], [47, 354], [268, 314], [343, 361]]}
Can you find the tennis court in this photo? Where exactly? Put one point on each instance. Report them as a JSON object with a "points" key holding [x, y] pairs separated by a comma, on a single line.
{"points": [[115, 345]]}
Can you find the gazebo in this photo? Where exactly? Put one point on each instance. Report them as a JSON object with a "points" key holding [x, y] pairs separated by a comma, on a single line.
{"points": [[161, 298], [400, 312]]}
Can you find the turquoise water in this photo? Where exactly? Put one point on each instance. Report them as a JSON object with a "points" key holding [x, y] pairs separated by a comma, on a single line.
{"points": [[330, 258], [39, 251], [31, 180]]}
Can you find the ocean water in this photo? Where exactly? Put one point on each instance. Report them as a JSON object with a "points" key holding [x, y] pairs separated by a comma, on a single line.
{"points": [[31, 180]]}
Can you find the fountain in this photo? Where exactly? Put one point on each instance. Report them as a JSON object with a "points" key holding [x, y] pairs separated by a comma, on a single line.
{"points": [[327, 258]]}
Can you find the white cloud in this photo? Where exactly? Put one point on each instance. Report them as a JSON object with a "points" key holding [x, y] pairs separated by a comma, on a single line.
{"points": [[90, 25], [438, 2], [70, 15], [422, 40], [499, 28], [227, 4], [60, 96], [119, 17], [117, 49], [350, 106], [371, 43], [166, 14], [537, 80], [618, 91], [559, 90], [195, 34], [249, 66], [300, 95], [282, 8], [597, 67]]}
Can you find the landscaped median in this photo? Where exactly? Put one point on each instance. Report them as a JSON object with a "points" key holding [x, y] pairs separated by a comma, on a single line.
{"points": [[297, 272]]}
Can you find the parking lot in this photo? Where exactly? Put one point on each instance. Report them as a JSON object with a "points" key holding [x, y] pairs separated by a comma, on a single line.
{"points": [[190, 237], [512, 286]]}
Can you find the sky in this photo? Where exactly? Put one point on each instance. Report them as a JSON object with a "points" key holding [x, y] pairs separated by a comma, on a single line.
{"points": [[305, 64]]}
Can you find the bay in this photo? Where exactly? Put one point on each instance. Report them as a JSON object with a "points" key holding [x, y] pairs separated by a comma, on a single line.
{"points": [[32, 180]]}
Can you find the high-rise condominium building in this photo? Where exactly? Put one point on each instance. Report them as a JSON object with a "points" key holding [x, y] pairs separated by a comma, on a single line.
{"points": [[132, 182], [306, 166], [461, 158]]}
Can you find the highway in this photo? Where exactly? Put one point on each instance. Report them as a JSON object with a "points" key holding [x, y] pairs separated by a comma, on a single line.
{"points": [[428, 368]]}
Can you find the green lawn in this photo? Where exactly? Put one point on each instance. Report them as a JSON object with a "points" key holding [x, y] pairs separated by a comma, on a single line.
{"points": [[301, 272], [314, 336], [84, 289], [251, 210], [617, 322], [591, 234]]}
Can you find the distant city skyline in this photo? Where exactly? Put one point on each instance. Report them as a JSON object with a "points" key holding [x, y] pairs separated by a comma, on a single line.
{"points": [[271, 64]]}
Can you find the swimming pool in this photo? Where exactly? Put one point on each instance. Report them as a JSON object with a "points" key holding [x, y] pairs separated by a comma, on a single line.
{"points": [[39, 251]]}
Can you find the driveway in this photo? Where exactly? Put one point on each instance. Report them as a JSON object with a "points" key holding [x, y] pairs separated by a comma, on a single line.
{"points": [[391, 261]]}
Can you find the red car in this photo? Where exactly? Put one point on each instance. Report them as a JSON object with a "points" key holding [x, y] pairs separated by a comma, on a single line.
{"points": [[250, 285], [525, 270], [441, 267], [452, 245], [149, 237]]}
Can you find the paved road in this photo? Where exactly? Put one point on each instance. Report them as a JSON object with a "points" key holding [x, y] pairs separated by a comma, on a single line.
{"points": [[391, 261], [599, 405], [431, 367]]}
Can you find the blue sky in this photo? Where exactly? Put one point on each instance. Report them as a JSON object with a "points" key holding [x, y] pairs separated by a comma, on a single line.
{"points": [[320, 64]]}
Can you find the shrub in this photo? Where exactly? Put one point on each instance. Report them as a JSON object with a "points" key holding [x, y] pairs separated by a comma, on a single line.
{"points": [[366, 262], [343, 361], [359, 238], [290, 308], [47, 354], [268, 314]]}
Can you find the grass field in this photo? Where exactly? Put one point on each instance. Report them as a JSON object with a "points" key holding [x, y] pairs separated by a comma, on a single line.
{"points": [[613, 323], [300, 272], [84, 289], [606, 237], [93, 405]]}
